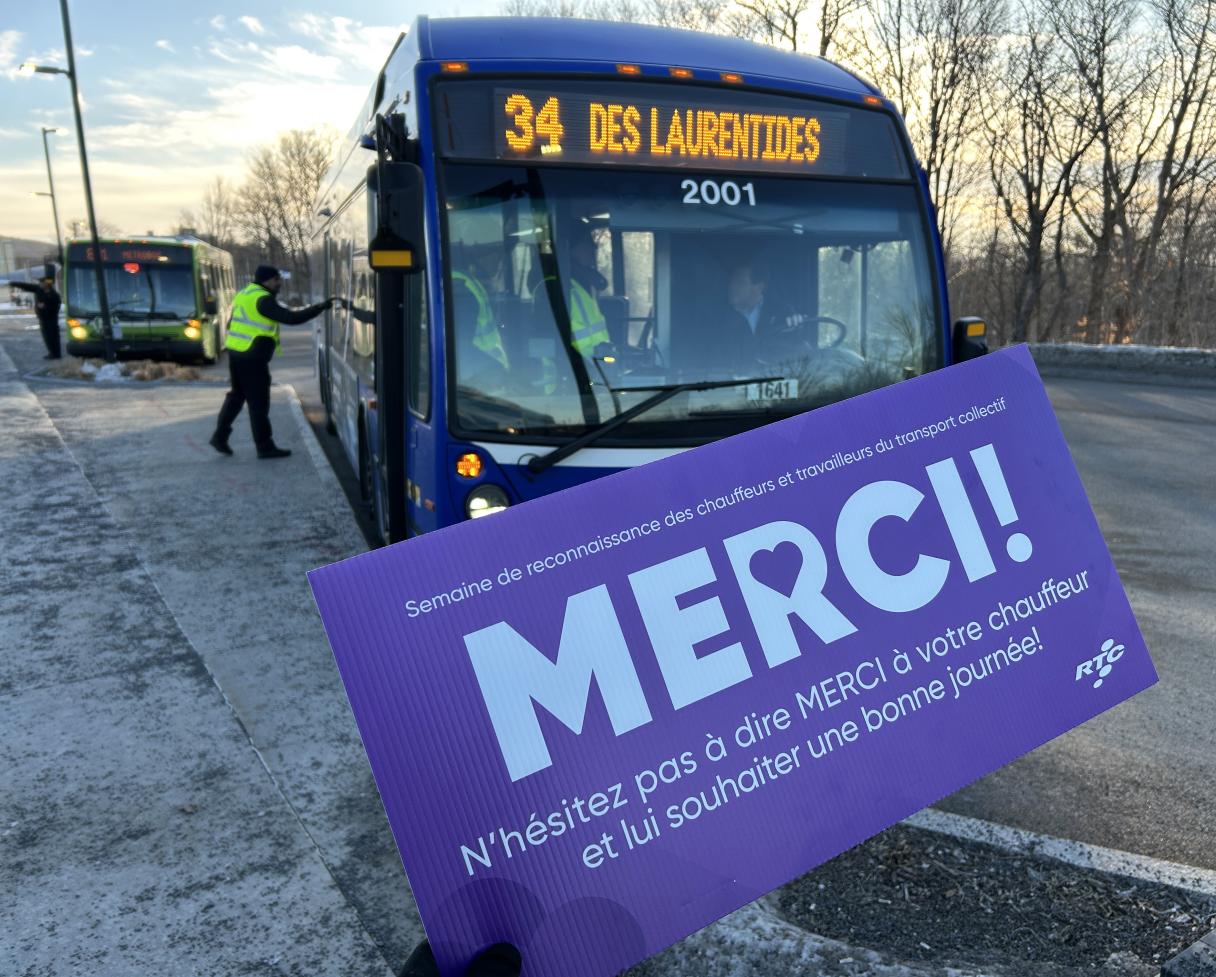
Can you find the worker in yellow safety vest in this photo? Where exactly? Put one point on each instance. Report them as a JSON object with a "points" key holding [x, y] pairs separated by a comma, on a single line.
{"points": [[486, 337], [588, 327], [253, 339]]}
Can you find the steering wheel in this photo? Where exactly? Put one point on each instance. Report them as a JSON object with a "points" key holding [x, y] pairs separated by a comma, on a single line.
{"points": [[830, 320]]}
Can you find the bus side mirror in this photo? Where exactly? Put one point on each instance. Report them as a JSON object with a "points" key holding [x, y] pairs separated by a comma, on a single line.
{"points": [[210, 306], [398, 244], [970, 338]]}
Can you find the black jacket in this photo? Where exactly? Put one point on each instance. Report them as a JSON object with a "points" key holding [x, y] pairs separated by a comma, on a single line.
{"points": [[269, 306], [46, 304]]}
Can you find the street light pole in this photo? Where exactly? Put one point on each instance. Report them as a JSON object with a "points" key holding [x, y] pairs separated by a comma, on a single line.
{"points": [[103, 300], [50, 179]]}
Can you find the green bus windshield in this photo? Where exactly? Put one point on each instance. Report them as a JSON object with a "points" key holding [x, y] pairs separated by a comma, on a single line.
{"points": [[142, 281]]}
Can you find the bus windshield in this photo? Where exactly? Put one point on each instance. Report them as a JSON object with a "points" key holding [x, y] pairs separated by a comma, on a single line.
{"points": [[159, 285], [576, 292]]}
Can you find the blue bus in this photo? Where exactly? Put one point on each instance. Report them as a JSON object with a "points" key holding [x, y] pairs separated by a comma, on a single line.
{"points": [[568, 247]]}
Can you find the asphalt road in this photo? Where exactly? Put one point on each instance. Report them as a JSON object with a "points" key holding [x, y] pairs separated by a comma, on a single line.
{"points": [[1142, 777]]}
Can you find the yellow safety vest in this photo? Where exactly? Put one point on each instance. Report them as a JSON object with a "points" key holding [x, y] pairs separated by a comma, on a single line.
{"points": [[247, 323], [588, 327], [485, 337]]}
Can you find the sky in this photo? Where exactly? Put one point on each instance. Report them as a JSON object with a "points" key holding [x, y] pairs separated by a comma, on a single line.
{"points": [[176, 93]]}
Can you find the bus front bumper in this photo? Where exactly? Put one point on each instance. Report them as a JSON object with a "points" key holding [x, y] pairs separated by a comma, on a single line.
{"points": [[171, 349]]}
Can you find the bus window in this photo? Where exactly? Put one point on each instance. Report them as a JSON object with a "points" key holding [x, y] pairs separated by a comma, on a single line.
{"points": [[637, 255], [876, 286], [823, 284], [418, 352], [363, 327]]}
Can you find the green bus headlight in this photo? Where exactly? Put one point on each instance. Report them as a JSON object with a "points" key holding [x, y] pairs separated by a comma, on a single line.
{"points": [[485, 500]]}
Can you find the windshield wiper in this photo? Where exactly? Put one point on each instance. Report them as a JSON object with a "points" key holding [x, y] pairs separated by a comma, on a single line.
{"points": [[538, 463]]}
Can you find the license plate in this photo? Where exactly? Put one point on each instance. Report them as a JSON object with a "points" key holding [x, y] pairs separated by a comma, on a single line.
{"points": [[770, 390]]}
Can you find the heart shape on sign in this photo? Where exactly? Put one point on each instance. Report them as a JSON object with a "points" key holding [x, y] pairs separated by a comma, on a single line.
{"points": [[777, 568]]}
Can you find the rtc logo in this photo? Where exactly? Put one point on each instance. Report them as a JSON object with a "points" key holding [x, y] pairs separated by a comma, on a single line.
{"points": [[1102, 662]]}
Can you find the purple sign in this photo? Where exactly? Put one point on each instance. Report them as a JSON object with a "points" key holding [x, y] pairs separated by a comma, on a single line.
{"points": [[604, 719]]}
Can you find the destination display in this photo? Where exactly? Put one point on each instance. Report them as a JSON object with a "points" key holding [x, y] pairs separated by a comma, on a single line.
{"points": [[113, 252], [654, 125]]}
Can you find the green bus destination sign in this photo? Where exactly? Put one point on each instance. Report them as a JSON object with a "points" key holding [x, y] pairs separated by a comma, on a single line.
{"points": [[667, 125], [113, 252]]}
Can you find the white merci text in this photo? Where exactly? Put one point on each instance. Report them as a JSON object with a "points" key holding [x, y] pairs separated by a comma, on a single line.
{"points": [[515, 676]]}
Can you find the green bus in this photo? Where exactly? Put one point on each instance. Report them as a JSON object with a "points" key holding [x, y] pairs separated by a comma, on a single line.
{"points": [[168, 297]]}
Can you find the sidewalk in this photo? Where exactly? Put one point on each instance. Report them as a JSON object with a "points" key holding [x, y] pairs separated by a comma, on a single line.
{"points": [[146, 645]]}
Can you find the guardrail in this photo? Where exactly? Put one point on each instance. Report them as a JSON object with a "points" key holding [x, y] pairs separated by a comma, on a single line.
{"points": [[1139, 364]]}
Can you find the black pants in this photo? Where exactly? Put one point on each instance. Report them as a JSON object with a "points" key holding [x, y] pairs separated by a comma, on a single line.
{"points": [[250, 376], [50, 334]]}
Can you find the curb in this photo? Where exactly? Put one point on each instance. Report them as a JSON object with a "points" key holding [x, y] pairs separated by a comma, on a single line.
{"points": [[316, 454], [1197, 960], [1172, 366]]}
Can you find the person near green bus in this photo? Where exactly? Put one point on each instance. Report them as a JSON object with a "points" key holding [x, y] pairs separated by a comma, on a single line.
{"points": [[253, 339], [46, 307]]}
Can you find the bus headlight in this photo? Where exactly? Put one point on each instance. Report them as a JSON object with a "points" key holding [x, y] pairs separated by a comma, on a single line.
{"points": [[192, 330], [485, 500], [77, 329]]}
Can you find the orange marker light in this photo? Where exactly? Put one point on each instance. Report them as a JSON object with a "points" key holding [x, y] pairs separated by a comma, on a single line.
{"points": [[680, 72], [629, 69], [873, 100], [733, 78], [468, 465], [455, 66]]}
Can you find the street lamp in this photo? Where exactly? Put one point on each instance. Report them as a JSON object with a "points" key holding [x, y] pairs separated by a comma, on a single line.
{"points": [[50, 179], [103, 300]]}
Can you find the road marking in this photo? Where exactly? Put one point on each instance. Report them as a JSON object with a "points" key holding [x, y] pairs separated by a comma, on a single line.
{"points": [[1078, 853]]}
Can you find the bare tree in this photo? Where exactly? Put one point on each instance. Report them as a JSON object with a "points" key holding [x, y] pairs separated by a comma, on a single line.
{"points": [[698, 15], [1119, 72], [542, 8], [79, 227], [217, 217], [276, 201], [781, 23], [1187, 154], [776, 22], [218, 213], [707, 16], [933, 57], [1036, 133]]}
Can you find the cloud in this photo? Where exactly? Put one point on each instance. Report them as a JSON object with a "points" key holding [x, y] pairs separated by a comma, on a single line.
{"points": [[253, 24], [293, 60], [9, 41], [12, 133], [165, 45], [236, 52], [359, 45], [217, 22], [148, 104]]}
